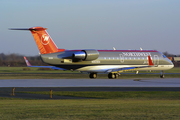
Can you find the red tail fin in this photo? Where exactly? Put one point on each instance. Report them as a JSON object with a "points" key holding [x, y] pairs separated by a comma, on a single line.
{"points": [[44, 41]]}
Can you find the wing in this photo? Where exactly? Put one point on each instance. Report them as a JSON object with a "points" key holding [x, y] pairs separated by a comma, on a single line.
{"points": [[52, 67], [132, 68]]}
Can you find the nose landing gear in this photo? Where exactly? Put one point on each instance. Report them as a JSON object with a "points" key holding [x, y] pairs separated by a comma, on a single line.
{"points": [[162, 74]]}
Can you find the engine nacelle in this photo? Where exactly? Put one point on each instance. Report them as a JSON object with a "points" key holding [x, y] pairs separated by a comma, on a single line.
{"points": [[79, 55], [86, 55]]}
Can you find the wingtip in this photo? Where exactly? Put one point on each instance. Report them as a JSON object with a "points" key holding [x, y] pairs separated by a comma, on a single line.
{"points": [[150, 61], [27, 62]]}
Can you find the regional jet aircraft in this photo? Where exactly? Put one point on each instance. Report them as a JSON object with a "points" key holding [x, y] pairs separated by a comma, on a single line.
{"points": [[93, 61]]}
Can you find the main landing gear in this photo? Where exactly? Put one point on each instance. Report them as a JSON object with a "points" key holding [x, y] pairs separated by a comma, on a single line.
{"points": [[110, 75], [93, 75], [113, 75]]}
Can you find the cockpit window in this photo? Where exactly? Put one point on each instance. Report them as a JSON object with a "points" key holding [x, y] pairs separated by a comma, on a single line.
{"points": [[164, 56]]}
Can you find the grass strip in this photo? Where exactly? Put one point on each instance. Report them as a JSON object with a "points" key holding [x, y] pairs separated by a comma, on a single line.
{"points": [[20, 73], [106, 105], [113, 109], [150, 95]]}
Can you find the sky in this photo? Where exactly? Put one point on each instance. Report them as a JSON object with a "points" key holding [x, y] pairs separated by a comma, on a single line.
{"points": [[93, 24]]}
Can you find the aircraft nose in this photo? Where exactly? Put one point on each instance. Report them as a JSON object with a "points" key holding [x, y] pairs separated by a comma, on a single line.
{"points": [[171, 65]]}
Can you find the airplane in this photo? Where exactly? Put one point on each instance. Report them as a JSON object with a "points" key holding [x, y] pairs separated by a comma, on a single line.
{"points": [[93, 61]]}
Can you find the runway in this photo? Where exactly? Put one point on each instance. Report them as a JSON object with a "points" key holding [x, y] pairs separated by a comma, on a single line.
{"points": [[22, 85], [167, 82]]}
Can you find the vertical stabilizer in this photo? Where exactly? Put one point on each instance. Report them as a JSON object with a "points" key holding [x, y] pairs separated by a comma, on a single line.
{"points": [[44, 41]]}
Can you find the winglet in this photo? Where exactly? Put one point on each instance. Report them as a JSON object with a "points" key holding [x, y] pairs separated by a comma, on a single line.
{"points": [[27, 62], [150, 61]]}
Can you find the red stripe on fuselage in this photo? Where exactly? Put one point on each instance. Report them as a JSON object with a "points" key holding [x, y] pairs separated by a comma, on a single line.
{"points": [[127, 51], [120, 50]]}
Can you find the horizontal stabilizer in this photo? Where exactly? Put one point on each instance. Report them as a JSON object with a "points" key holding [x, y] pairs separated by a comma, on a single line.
{"points": [[31, 29], [18, 28]]}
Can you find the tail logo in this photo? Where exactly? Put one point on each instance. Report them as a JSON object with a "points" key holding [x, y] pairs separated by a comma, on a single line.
{"points": [[45, 39]]}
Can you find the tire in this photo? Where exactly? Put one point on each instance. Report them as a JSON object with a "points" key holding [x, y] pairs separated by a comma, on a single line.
{"points": [[161, 76], [93, 75], [112, 75]]}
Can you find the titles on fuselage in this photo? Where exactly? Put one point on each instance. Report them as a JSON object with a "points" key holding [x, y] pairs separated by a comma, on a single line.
{"points": [[136, 53]]}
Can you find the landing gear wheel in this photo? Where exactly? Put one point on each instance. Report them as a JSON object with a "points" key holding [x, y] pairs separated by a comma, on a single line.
{"points": [[112, 75], [93, 75], [161, 76]]}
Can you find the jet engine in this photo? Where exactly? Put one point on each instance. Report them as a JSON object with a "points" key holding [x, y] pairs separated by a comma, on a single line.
{"points": [[86, 55]]}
